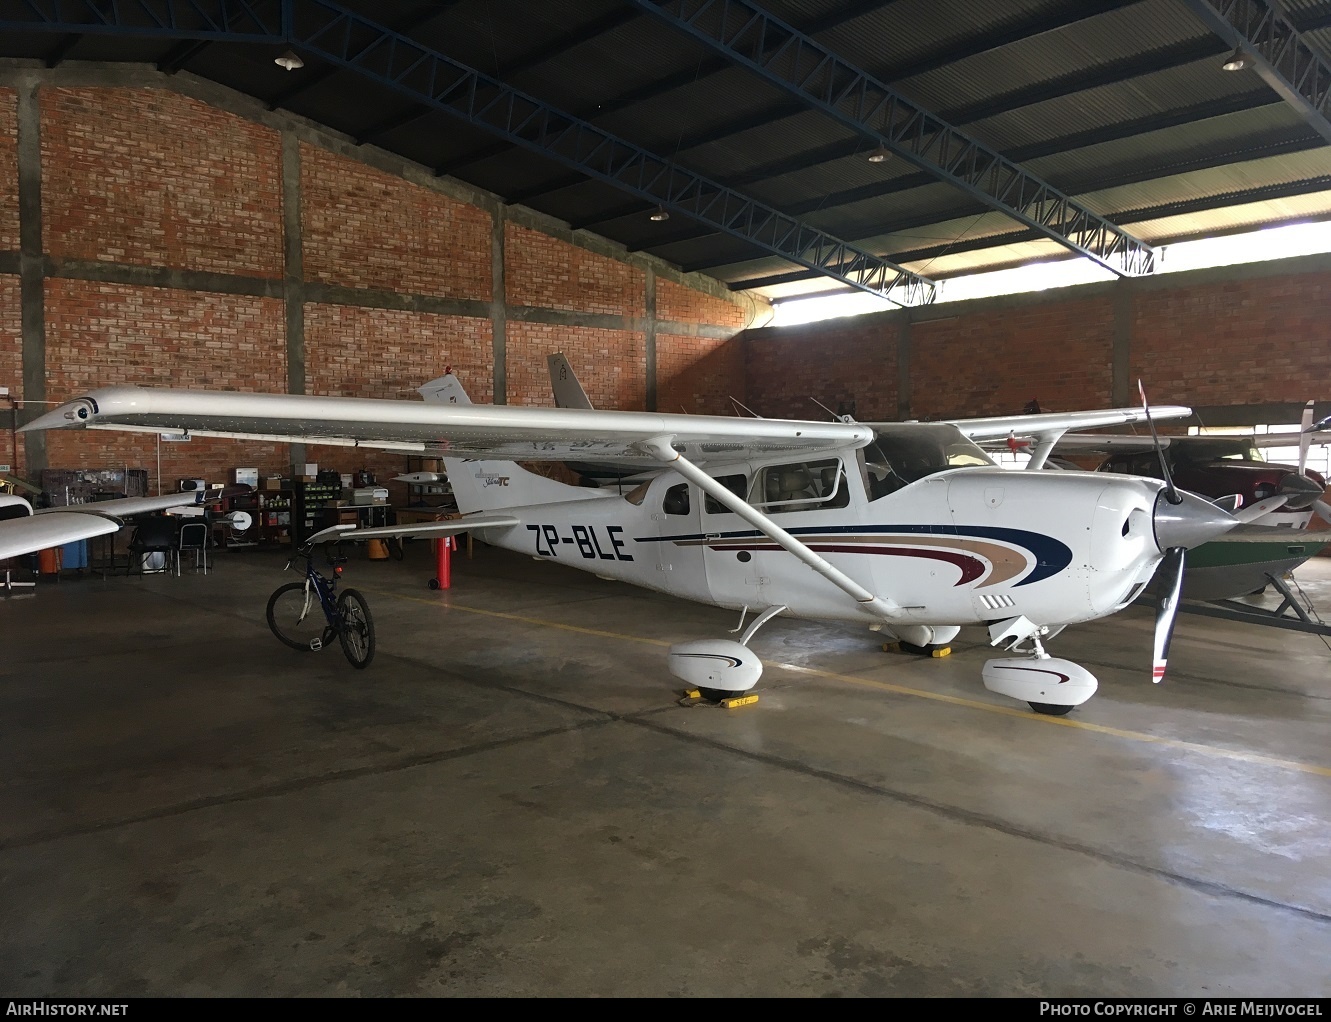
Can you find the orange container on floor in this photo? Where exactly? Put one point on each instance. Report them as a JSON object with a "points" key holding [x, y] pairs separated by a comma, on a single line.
{"points": [[48, 561]]}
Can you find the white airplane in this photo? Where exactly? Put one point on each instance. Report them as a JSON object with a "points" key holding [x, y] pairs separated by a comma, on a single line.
{"points": [[908, 528], [25, 531]]}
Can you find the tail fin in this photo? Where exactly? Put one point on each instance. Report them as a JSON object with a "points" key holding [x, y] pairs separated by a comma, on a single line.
{"points": [[564, 382], [492, 485]]}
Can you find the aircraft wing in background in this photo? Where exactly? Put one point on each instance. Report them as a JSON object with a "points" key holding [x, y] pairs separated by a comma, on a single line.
{"points": [[56, 526]]}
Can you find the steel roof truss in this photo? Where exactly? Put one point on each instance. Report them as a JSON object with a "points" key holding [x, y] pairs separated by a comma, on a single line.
{"points": [[1282, 57], [798, 64]]}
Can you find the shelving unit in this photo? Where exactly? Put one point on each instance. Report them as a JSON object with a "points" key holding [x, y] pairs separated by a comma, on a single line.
{"points": [[309, 502], [271, 511]]}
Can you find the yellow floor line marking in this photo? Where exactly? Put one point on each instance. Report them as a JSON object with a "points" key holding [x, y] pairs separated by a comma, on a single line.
{"points": [[940, 697], [519, 617], [1080, 725]]}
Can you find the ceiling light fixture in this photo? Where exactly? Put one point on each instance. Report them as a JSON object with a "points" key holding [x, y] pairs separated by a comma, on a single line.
{"points": [[880, 154], [289, 61], [1237, 61], [659, 214]]}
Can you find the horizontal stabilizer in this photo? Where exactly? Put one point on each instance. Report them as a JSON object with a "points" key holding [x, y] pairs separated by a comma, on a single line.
{"points": [[124, 507], [420, 530]]}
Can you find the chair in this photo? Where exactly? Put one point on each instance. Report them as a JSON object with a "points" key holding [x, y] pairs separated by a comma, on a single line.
{"points": [[194, 536], [153, 535]]}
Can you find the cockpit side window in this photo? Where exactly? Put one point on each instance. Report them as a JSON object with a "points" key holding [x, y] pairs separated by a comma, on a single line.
{"points": [[803, 486], [676, 501], [738, 485]]}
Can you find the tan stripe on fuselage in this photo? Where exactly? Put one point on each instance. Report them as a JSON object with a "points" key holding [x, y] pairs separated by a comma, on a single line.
{"points": [[1005, 562]]}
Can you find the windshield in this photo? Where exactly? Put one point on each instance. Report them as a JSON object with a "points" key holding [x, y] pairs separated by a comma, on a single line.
{"points": [[902, 454], [1195, 449]]}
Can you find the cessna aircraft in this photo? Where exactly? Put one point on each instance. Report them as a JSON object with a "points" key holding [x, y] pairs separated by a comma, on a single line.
{"points": [[909, 528]]}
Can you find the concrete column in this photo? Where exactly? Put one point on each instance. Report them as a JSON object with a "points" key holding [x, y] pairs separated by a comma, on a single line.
{"points": [[649, 331], [293, 277], [31, 270], [903, 366], [1122, 389], [499, 307]]}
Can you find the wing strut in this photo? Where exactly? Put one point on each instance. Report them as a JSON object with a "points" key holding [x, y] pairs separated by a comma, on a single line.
{"points": [[662, 450]]}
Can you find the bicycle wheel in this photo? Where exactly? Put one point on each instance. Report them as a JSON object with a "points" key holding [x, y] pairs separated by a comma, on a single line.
{"points": [[357, 631], [298, 622]]}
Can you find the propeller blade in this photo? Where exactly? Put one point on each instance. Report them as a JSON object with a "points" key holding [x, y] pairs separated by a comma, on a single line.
{"points": [[1323, 510], [1253, 512], [1231, 502], [1169, 583], [1305, 436], [1171, 494]]}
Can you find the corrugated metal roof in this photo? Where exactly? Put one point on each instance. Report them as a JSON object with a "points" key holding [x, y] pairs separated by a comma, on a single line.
{"points": [[1121, 98]]}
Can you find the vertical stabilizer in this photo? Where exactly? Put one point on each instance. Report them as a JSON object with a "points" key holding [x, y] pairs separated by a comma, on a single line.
{"points": [[564, 382], [492, 485], [444, 390]]}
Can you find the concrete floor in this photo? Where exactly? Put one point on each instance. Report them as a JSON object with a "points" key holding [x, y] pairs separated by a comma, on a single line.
{"points": [[509, 801]]}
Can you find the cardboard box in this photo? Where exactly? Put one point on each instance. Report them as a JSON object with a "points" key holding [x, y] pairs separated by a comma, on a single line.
{"points": [[272, 483]]}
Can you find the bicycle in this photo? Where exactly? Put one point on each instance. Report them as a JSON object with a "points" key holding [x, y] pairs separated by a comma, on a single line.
{"points": [[291, 613]]}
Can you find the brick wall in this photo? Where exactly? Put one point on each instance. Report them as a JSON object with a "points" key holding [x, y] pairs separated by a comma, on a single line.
{"points": [[11, 368], [1224, 337], [681, 304], [543, 271], [8, 169], [699, 375], [611, 365], [152, 178], [1246, 341], [993, 361], [850, 367], [149, 178], [368, 229], [98, 334], [382, 353]]}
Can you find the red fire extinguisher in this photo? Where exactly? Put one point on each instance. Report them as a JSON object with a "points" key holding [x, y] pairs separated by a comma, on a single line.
{"points": [[443, 569]]}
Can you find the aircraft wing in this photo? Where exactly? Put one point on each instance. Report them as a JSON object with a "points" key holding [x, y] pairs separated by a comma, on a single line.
{"points": [[1041, 423], [420, 530], [455, 430], [41, 532], [56, 526], [1290, 439]]}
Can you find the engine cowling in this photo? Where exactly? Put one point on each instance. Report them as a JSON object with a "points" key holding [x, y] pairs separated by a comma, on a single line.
{"points": [[1048, 681], [715, 664]]}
